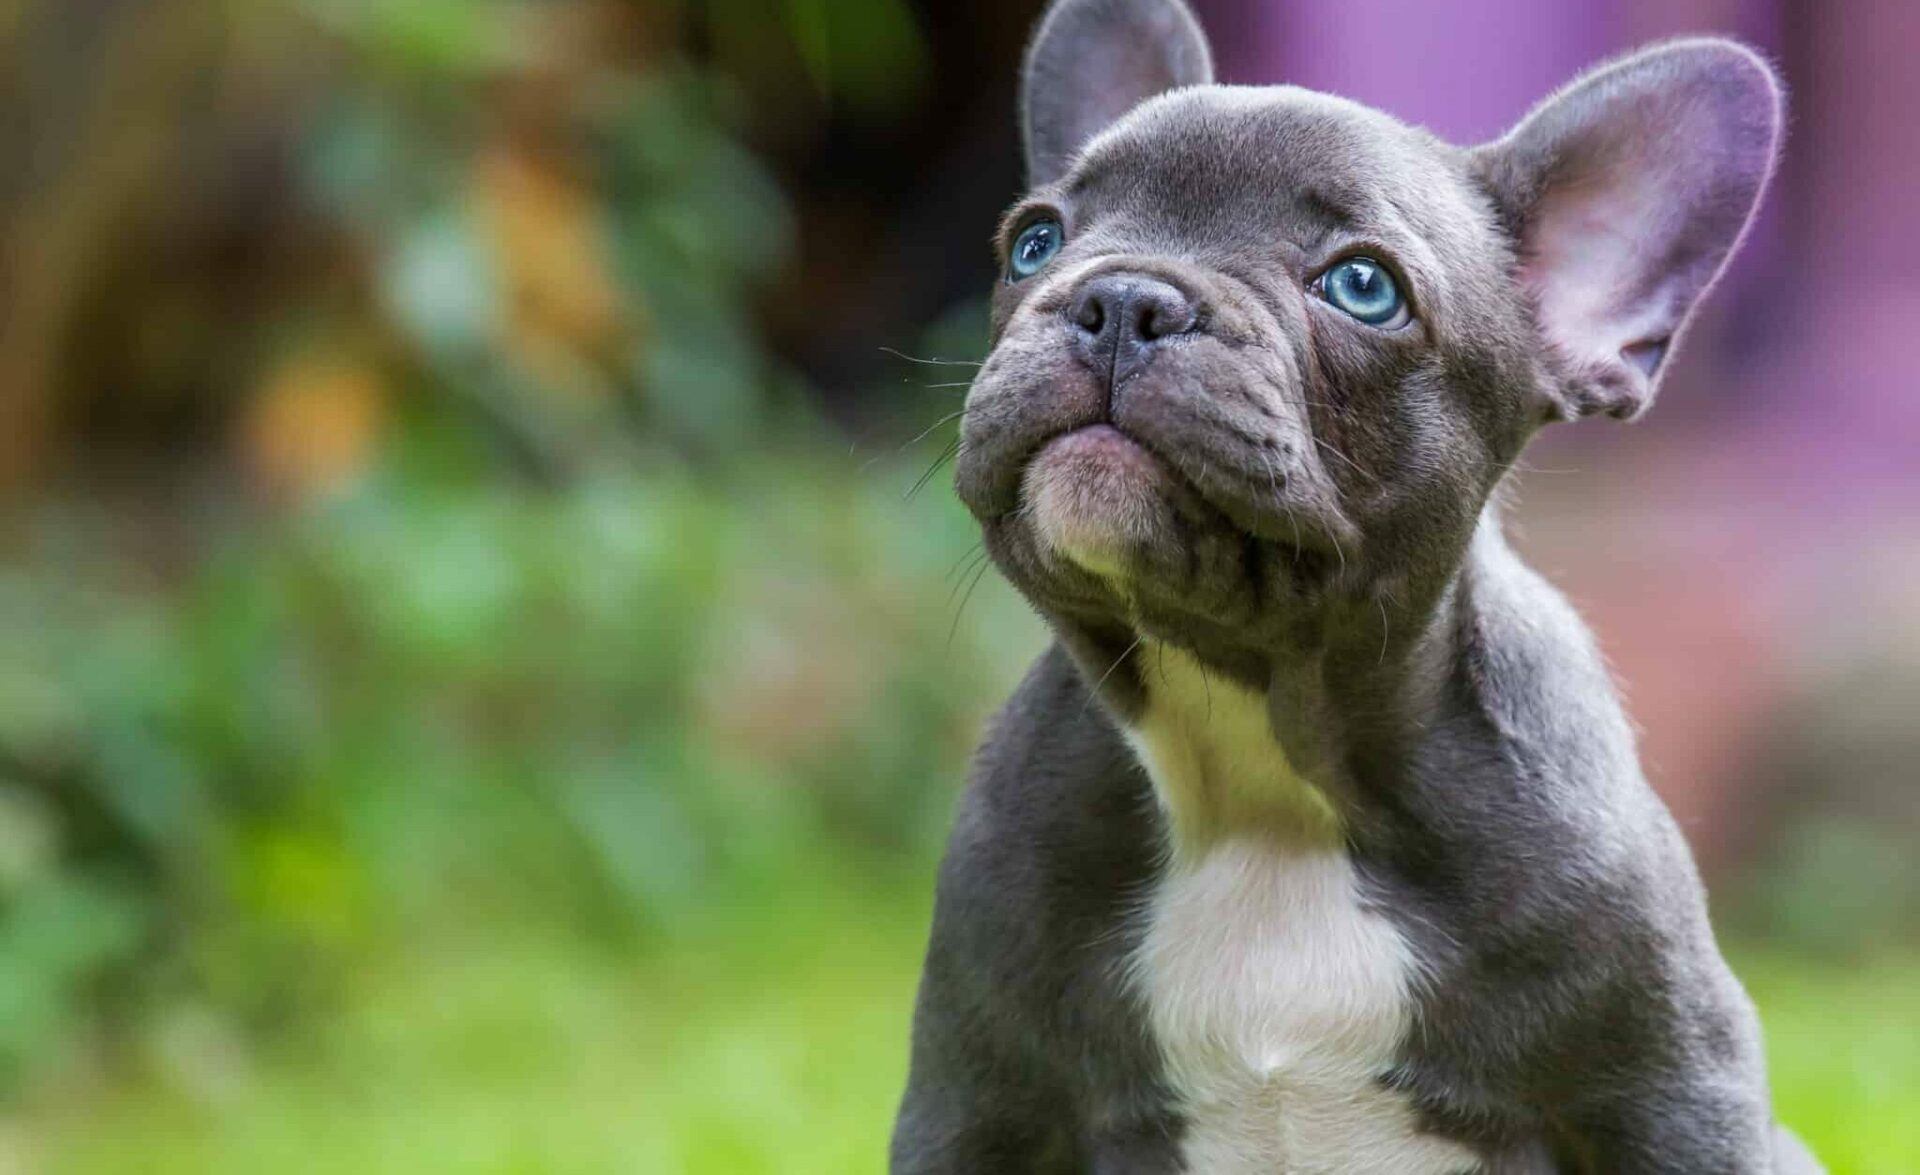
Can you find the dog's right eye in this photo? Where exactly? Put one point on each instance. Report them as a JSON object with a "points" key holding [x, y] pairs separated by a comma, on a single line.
{"points": [[1034, 247], [1363, 289]]}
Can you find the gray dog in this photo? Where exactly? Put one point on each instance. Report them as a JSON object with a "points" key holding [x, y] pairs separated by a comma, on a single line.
{"points": [[1317, 843]]}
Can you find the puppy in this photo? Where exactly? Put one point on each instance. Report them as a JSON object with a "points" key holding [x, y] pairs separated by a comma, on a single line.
{"points": [[1317, 841]]}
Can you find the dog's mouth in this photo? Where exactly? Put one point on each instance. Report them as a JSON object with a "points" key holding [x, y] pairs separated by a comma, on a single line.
{"points": [[1190, 491], [1105, 501], [1097, 496]]}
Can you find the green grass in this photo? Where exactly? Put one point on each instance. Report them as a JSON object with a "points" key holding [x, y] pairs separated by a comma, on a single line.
{"points": [[1844, 1045], [772, 1043], [776, 1050]]}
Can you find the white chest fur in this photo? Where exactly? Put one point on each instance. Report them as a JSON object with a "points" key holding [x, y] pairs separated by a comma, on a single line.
{"points": [[1276, 995]]}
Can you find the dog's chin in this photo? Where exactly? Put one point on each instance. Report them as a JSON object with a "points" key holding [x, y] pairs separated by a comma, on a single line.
{"points": [[1100, 501], [1109, 532]]}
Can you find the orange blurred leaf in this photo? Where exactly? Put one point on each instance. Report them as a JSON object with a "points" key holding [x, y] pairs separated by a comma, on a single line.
{"points": [[313, 423], [545, 229]]}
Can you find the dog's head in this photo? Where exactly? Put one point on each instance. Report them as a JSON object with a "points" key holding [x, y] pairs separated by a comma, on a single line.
{"points": [[1260, 355]]}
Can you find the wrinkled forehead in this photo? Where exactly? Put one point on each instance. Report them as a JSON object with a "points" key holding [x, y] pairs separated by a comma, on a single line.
{"points": [[1235, 168]]}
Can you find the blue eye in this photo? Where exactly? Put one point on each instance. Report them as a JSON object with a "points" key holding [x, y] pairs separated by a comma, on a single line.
{"points": [[1362, 287], [1034, 247]]}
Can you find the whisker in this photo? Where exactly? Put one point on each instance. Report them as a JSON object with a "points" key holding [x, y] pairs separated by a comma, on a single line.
{"points": [[903, 446], [1351, 463], [1293, 520], [979, 575], [979, 548], [1124, 654], [931, 362], [928, 431], [972, 572], [867, 438], [870, 462], [947, 454]]}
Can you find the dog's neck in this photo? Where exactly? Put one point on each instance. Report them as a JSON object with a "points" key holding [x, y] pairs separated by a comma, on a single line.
{"points": [[1218, 768], [1231, 757]]}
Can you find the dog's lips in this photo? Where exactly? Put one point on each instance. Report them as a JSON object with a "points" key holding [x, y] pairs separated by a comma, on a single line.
{"points": [[1101, 441], [1096, 495]]}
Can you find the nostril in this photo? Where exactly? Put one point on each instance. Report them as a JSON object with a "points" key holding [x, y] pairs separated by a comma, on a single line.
{"points": [[1120, 315], [1164, 313], [1090, 312]]}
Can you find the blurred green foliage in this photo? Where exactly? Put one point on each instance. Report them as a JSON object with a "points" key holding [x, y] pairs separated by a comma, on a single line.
{"points": [[579, 297], [436, 697], [536, 596]]}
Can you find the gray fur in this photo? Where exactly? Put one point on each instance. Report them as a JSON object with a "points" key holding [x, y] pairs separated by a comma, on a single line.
{"points": [[1328, 533], [1091, 62]]}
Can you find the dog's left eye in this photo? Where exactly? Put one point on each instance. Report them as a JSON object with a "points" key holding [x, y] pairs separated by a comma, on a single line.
{"points": [[1034, 247], [1362, 288]]}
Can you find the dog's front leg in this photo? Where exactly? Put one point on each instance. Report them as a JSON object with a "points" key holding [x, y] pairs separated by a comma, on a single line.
{"points": [[969, 1105], [1702, 1125], [943, 1131], [953, 1123]]}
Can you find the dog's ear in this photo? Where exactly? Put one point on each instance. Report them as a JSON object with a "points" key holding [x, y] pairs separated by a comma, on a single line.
{"points": [[1627, 191], [1091, 61]]}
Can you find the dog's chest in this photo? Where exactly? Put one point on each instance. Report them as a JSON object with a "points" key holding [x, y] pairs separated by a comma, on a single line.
{"points": [[1277, 997]]}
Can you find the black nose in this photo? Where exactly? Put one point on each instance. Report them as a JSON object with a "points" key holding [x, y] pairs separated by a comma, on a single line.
{"points": [[1119, 319]]}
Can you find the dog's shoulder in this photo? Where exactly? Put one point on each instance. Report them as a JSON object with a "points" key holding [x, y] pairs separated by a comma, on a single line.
{"points": [[1053, 777], [1533, 670], [1055, 838], [1054, 847]]}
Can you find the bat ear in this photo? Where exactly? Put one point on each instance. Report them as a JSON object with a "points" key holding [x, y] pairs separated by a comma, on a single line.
{"points": [[1091, 61], [1627, 191]]}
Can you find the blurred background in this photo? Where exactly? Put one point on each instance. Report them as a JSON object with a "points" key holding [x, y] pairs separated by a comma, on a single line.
{"points": [[487, 649]]}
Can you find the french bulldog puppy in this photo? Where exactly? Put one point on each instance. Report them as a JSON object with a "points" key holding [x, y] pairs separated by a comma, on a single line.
{"points": [[1317, 842]]}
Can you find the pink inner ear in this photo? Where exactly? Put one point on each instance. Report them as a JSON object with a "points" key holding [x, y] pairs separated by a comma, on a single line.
{"points": [[1601, 264], [1634, 186], [1647, 356]]}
